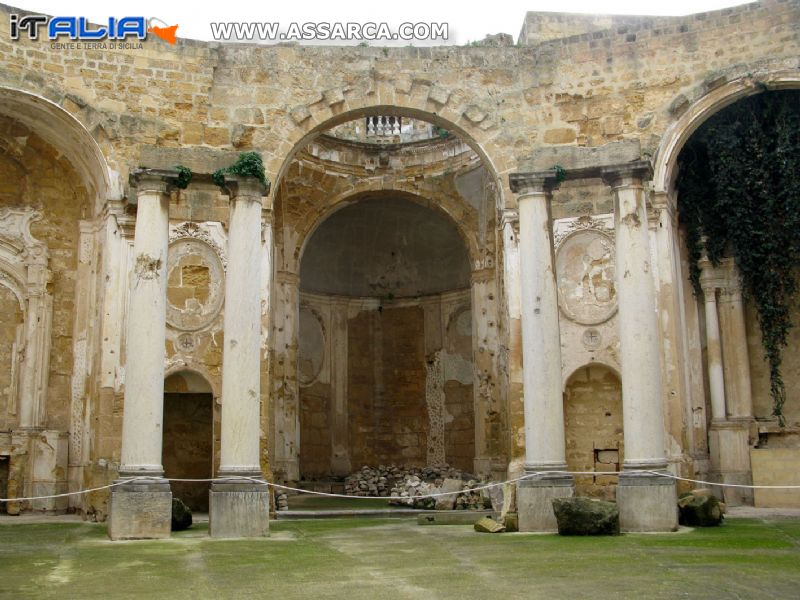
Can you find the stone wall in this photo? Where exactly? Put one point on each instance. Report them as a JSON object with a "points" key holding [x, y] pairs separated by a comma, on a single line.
{"points": [[188, 446], [581, 84], [759, 370], [408, 395], [11, 319], [593, 421], [36, 175]]}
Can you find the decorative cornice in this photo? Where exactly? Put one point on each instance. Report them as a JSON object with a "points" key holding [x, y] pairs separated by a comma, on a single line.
{"points": [[542, 182]]}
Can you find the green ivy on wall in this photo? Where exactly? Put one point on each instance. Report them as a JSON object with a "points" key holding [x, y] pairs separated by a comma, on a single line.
{"points": [[739, 186], [249, 164]]}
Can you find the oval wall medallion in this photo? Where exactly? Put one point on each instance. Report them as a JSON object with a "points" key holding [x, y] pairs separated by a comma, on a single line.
{"points": [[585, 271], [195, 284]]}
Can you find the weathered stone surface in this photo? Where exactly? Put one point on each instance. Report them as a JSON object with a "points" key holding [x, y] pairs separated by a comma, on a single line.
{"points": [[489, 525], [511, 522], [141, 515], [448, 502], [238, 514], [588, 82], [181, 515], [585, 516], [699, 508]]}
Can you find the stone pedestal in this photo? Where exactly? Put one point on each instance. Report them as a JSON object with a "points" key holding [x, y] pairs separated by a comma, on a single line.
{"points": [[730, 456], [238, 509], [647, 502], [140, 510], [535, 501]]}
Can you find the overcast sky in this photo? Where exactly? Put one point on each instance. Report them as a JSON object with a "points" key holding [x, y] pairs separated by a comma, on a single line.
{"points": [[467, 22]]}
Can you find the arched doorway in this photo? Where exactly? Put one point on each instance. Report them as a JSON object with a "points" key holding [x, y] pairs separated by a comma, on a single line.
{"points": [[594, 432], [188, 447], [385, 344]]}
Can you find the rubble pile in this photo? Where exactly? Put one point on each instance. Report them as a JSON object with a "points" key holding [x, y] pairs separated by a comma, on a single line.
{"points": [[408, 486]]}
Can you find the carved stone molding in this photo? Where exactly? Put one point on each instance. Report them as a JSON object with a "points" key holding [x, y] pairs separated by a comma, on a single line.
{"points": [[195, 284], [585, 274], [23, 270]]}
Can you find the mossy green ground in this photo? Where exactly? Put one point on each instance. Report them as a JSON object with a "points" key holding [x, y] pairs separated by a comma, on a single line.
{"points": [[395, 558]]}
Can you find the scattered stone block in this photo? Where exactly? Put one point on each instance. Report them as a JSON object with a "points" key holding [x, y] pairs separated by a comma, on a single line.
{"points": [[586, 516], [511, 522], [699, 508], [489, 525], [448, 502], [181, 515]]}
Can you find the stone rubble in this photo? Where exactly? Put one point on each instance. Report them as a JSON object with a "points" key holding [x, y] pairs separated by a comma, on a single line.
{"points": [[281, 501], [407, 486]]}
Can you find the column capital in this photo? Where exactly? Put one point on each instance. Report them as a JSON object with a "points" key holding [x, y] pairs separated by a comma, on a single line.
{"points": [[238, 186], [634, 173], [711, 278], [509, 216], [154, 181], [540, 182]]}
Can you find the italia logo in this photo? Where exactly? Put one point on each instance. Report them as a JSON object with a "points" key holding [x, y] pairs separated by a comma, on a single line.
{"points": [[79, 28]]}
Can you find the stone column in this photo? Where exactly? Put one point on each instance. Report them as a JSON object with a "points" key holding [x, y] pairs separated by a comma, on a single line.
{"points": [[511, 354], [340, 444], [545, 446], [682, 446], [716, 381], [647, 502], [285, 427], [730, 435], [237, 507], [142, 508]]}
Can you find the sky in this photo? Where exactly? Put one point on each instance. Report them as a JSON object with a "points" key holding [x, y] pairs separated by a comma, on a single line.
{"points": [[467, 22]]}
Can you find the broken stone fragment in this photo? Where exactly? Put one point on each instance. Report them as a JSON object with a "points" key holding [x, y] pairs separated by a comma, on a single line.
{"points": [[181, 515], [447, 502], [586, 516], [699, 508], [489, 525]]}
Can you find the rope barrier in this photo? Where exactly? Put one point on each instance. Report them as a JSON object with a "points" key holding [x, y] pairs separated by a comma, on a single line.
{"points": [[421, 496]]}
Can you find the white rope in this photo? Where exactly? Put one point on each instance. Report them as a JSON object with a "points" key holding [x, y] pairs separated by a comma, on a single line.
{"points": [[421, 496]]}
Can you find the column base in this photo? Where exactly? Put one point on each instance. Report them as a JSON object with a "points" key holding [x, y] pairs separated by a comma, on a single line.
{"points": [[238, 509], [647, 502], [729, 443], [140, 510], [535, 500]]}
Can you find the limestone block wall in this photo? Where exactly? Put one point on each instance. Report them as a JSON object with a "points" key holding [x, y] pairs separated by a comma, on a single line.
{"points": [[790, 370], [406, 379], [636, 84], [594, 435], [11, 321]]}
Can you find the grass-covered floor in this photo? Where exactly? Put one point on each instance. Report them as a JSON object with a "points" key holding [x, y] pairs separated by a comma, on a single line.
{"points": [[388, 559]]}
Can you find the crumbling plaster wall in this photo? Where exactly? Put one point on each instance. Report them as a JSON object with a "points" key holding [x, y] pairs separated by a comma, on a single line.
{"points": [[628, 83]]}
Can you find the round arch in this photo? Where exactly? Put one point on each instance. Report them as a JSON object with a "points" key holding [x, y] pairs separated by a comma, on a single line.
{"points": [[679, 132], [318, 120], [595, 363], [198, 374], [64, 132]]}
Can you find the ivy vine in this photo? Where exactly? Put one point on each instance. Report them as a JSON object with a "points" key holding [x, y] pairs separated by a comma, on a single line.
{"points": [[561, 173], [249, 164], [739, 193], [184, 176]]}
